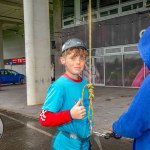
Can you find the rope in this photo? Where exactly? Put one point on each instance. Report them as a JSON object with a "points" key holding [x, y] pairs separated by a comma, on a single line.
{"points": [[90, 41], [91, 98], [90, 86]]}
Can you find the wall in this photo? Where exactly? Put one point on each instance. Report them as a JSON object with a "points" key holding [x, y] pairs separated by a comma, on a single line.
{"points": [[13, 45], [117, 31], [19, 68]]}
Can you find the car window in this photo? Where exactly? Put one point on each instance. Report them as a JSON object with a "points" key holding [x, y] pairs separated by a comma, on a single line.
{"points": [[13, 72], [2, 72], [9, 72], [5, 72]]}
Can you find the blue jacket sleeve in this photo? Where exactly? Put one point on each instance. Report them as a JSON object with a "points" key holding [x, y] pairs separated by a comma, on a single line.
{"points": [[136, 120]]}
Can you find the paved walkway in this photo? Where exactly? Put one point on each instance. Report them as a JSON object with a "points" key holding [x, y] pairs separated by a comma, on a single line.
{"points": [[109, 103]]}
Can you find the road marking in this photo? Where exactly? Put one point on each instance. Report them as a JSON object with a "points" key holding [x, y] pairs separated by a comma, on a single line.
{"points": [[28, 125]]}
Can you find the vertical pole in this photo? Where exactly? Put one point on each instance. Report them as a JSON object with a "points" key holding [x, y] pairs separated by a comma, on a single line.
{"points": [[90, 40]]}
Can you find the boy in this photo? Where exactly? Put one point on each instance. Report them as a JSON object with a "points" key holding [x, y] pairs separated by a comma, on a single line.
{"points": [[135, 122], [62, 107]]}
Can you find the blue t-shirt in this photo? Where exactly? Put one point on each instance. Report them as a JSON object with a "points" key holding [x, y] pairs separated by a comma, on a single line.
{"points": [[63, 95], [135, 122]]}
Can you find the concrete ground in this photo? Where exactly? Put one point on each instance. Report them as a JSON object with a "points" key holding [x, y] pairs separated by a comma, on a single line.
{"points": [[108, 104]]}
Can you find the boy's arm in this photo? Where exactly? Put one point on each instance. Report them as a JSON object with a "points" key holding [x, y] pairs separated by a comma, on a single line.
{"points": [[48, 118]]}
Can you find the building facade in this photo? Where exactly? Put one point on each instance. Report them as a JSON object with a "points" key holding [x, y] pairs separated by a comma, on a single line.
{"points": [[116, 29]]}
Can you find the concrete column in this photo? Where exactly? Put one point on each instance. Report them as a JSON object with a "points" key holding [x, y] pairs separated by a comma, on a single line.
{"points": [[77, 10], [57, 23], [37, 49], [1, 47], [57, 15]]}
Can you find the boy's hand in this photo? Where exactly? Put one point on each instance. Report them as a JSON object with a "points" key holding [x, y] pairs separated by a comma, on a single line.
{"points": [[78, 112]]}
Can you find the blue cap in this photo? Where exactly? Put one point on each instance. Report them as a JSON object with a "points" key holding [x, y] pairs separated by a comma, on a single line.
{"points": [[144, 47]]}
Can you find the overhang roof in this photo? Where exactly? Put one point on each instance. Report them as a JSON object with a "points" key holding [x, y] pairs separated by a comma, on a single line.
{"points": [[11, 13]]}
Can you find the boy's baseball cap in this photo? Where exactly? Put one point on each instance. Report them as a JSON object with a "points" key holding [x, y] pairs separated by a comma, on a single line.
{"points": [[144, 47], [74, 42]]}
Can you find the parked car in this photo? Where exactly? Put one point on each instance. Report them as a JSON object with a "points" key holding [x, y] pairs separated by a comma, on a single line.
{"points": [[8, 76]]}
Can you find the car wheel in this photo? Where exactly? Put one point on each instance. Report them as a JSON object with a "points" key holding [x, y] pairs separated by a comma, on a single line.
{"points": [[21, 81]]}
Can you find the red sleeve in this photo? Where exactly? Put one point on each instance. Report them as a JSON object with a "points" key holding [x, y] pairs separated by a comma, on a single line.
{"points": [[48, 118]]}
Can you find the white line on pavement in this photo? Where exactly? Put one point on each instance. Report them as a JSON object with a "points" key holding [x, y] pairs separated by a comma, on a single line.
{"points": [[28, 125]]}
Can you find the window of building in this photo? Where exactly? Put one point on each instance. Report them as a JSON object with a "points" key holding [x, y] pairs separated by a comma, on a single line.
{"points": [[138, 5], [112, 50], [117, 66], [132, 6], [113, 70], [133, 70], [126, 8], [122, 1], [114, 11], [104, 3], [68, 8], [98, 71], [104, 13], [148, 3], [130, 49], [109, 12], [84, 5]]}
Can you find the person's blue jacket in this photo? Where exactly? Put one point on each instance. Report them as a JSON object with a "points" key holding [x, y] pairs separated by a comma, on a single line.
{"points": [[135, 122]]}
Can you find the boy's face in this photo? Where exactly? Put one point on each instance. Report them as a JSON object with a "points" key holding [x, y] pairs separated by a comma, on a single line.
{"points": [[74, 62]]}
